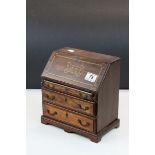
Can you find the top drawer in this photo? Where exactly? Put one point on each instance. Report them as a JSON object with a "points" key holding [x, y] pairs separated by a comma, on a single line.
{"points": [[68, 90]]}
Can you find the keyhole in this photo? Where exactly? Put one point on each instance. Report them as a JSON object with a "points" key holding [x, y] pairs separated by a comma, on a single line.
{"points": [[66, 115]]}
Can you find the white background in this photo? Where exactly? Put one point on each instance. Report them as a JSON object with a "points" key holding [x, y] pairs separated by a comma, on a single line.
{"points": [[13, 77], [46, 139]]}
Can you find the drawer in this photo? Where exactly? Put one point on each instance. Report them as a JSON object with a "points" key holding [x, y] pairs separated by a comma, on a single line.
{"points": [[74, 119], [68, 102], [68, 90]]}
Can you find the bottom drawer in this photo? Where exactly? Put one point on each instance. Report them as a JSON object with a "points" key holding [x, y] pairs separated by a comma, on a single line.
{"points": [[68, 117]]}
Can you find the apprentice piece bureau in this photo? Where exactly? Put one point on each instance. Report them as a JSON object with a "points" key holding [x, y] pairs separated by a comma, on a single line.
{"points": [[80, 92]]}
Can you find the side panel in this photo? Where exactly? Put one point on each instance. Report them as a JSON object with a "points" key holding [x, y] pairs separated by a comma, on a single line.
{"points": [[107, 110]]}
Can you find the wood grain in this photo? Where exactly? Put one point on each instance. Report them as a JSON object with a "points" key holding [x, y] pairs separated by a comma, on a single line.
{"points": [[62, 115], [76, 104], [68, 90], [69, 102]]}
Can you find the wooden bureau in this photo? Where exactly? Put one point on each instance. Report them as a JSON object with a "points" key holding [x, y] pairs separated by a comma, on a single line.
{"points": [[80, 92]]}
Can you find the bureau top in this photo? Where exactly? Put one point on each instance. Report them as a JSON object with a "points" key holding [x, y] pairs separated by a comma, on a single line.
{"points": [[77, 68]]}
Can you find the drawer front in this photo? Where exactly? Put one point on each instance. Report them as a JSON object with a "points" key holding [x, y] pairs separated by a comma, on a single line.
{"points": [[68, 102], [68, 90], [68, 117]]}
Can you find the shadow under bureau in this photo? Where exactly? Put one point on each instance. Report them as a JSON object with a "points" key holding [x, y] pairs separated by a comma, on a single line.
{"points": [[80, 92]]}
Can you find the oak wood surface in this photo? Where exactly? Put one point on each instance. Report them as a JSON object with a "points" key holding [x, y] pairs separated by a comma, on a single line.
{"points": [[68, 117]]}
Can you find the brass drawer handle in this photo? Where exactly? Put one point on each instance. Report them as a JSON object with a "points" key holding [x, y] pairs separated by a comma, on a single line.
{"points": [[84, 96], [49, 85], [84, 125], [52, 98], [52, 87], [46, 95], [52, 114], [85, 108]]}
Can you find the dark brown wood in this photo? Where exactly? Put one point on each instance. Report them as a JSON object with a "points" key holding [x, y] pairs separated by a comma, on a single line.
{"points": [[70, 68], [108, 96], [80, 92]]}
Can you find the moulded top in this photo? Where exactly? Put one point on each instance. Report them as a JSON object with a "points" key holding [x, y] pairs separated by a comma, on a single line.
{"points": [[77, 68]]}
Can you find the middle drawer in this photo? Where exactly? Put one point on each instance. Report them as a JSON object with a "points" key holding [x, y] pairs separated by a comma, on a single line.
{"points": [[69, 102]]}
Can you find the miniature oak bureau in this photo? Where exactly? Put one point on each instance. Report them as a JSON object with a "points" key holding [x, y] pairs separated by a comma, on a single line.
{"points": [[80, 92]]}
